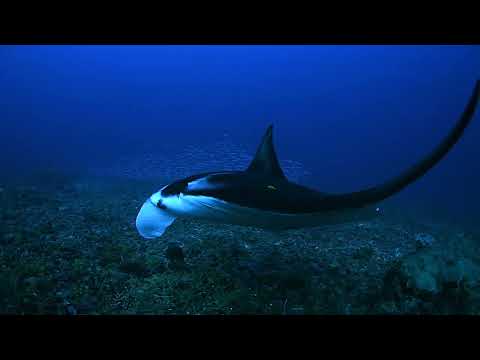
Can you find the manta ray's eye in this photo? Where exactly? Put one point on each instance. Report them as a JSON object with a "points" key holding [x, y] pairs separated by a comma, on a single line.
{"points": [[160, 205]]}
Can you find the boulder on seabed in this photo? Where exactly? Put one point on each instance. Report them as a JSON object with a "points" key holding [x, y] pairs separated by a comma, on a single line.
{"points": [[437, 277], [423, 240]]}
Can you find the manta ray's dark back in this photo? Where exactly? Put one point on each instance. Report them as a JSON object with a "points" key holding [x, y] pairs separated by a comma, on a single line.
{"points": [[264, 186]]}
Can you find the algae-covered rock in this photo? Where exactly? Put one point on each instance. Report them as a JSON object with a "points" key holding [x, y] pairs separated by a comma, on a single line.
{"points": [[364, 252], [423, 240], [437, 277], [175, 256], [422, 273]]}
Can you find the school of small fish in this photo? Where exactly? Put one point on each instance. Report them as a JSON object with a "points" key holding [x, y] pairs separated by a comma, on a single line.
{"points": [[220, 155]]}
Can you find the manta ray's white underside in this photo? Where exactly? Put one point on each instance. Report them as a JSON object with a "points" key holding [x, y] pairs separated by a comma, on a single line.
{"points": [[152, 221]]}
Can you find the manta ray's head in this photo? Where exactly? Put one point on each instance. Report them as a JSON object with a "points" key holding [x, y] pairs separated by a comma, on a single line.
{"points": [[163, 207], [154, 217]]}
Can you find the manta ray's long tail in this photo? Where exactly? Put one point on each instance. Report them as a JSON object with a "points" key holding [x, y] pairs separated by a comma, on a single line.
{"points": [[381, 192]]}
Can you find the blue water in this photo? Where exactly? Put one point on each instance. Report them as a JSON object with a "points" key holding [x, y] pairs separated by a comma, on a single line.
{"points": [[353, 115]]}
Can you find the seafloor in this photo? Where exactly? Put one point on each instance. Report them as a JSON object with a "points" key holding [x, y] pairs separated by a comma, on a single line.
{"points": [[71, 247]]}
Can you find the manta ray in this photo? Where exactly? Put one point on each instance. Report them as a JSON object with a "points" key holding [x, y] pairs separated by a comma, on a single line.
{"points": [[261, 196]]}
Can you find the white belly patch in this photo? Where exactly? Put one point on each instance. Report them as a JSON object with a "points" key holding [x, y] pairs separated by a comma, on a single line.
{"points": [[153, 221]]}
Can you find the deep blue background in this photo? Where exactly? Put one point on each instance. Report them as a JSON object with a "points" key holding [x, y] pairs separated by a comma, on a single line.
{"points": [[355, 115]]}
